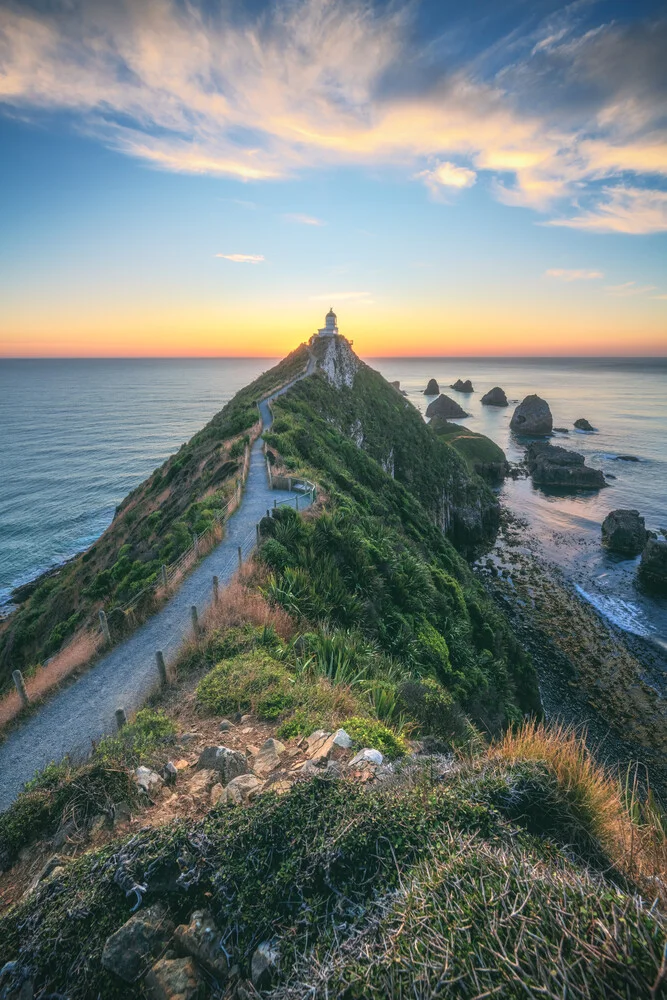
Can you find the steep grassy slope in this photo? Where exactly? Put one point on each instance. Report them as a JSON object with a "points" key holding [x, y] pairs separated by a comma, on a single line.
{"points": [[152, 526]]}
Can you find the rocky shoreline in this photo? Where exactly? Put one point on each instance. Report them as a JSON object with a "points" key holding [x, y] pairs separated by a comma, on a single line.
{"points": [[592, 675]]}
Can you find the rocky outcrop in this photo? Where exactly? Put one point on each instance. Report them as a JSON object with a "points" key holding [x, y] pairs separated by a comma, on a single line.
{"points": [[432, 389], [461, 386], [653, 565], [624, 531], [132, 949], [583, 425], [532, 417], [336, 359], [175, 979], [495, 397], [201, 939], [445, 407], [396, 385], [550, 465]]}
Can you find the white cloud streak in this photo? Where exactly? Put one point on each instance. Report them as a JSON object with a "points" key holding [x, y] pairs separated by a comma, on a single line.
{"points": [[304, 86], [628, 288], [303, 220], [565, 274], [242, 258]]}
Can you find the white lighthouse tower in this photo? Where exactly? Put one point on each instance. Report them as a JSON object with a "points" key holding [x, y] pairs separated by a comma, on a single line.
{"points": [[330, 328]]}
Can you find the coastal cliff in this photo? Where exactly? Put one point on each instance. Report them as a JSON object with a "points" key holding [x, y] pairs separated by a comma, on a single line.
{"points": [[345, 789]]}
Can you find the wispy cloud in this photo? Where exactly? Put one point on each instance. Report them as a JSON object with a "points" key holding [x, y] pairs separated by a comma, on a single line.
{"points": [[242, 258], [629, 288], [304, 220], [448, 176], [566, 274], [659, 297], [575, 117]]}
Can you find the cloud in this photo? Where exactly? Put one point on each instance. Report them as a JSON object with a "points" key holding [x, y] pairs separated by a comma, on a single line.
{"points": [[572, 275], [636, 211], [447, 175], [629, 288], [562, 116], [242, 258], [304, 220], [659, 297]]}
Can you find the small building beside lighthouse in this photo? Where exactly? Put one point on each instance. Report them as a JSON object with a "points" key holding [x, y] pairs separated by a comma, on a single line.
{"points": [[330, 328]]}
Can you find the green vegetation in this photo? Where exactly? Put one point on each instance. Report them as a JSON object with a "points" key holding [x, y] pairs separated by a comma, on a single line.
{"points": [[152, 526], [368, 733], [482, 455], [367, 893], [81, 791]]}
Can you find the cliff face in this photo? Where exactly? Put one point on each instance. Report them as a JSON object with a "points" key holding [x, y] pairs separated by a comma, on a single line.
{"points": [[364, 407]]}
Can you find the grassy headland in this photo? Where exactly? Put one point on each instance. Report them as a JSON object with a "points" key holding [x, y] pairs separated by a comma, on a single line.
{"points": [[484, 856]]}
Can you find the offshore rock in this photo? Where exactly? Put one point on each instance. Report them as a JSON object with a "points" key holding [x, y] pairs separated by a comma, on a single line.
{"points": [[432, 389], [583, 425], [495, 397], [174, 979], [461, 386], [624, 531], [445, 407], [550, 465], [134, 946], [653, 565], [533, 417], [228, 763]]}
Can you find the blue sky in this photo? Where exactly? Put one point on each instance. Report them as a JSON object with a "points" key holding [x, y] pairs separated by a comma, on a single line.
{"points": [[206, 177]]}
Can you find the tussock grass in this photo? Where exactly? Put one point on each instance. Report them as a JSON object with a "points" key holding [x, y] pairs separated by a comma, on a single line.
{"points": [[626, 825]]}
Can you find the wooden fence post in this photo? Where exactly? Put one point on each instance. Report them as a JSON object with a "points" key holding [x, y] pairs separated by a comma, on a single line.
{"points": [[195, 619], [215, 590], [297, 501], [163, 571], [104, 625], [257, 530], [240, 558], [121, 718], [17, 677], [161, 668]]}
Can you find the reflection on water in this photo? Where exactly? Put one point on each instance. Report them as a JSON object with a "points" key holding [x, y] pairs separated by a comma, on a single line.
{"points": [[626, 400]]}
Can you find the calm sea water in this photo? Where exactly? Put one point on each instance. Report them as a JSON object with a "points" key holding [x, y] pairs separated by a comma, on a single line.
{"points": [[78, 435]]}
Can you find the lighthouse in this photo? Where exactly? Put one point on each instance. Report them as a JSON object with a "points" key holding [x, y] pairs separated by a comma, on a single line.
{"points": [[330, 328]]}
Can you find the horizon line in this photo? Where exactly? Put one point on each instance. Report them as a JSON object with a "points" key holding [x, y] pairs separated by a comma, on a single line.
{"points": [[378, 357]]}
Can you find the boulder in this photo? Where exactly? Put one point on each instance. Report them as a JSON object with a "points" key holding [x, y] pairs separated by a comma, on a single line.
{"points": [[461, 386], [264, 965], [626, 458], [133, 948], [533, 417], [201, 782], [228, 763], [268, 758], [653, 565], [495, 397], [174, 979], [367, 756], [432, 389], [147, 780], [201, 939], [445, 407], [561, 430], [342, 739], [583, 425], [624, 531], [551, 465], [242, 789]]}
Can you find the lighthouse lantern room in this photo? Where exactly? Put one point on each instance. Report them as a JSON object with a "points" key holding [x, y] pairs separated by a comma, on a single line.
{"points": [[330, 328]]}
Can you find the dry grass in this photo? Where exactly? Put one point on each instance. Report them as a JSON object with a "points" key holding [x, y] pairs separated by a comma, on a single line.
{"points": [[77, 654], [626, 824], [239, 605]]}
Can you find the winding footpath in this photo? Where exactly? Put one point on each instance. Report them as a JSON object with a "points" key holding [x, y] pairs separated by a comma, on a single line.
{"points": [[84, 711]]}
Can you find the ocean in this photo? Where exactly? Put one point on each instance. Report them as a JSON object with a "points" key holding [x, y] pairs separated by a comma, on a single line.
{"points": [[78, 435]]}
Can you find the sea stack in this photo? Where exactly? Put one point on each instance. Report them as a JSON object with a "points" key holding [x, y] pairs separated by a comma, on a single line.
{"points": [[532, 417], [551, 465], [583, 425], [495, 397], [463, 386], [624, 531], [432, 389], [445, 407], [653, 566]]}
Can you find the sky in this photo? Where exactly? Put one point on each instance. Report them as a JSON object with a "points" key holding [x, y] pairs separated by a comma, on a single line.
{"points": [[208, 177]]}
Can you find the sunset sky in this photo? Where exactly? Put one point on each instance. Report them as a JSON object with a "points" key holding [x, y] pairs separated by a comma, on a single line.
{"points": [[207, 177]]}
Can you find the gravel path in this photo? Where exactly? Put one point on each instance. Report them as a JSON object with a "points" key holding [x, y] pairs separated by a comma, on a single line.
{"points": [[84, 711]]}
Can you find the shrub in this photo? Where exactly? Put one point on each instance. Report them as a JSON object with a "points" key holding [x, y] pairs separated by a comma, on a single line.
{"points": [[433, 709], [138, 741], [377, 736], [248, 682]]}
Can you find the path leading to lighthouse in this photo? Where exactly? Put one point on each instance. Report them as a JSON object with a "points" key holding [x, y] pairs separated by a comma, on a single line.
{"points": [[84, 711]]}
